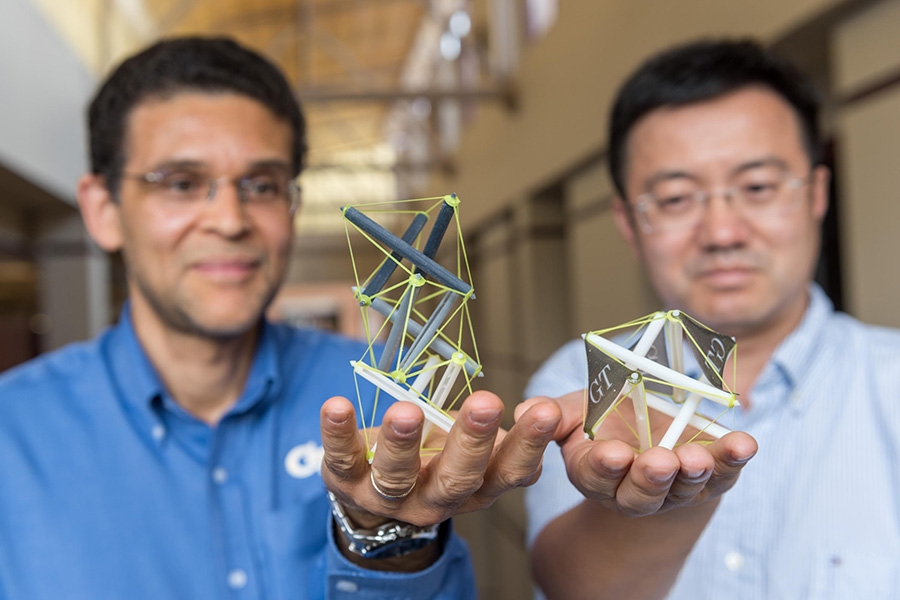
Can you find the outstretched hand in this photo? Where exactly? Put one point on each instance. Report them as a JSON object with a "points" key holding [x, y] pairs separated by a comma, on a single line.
{"points": [[610, 472], [478, 463]]}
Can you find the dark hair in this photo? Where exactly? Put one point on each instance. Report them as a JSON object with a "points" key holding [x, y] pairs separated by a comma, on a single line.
{"points": [[176, 65], [702, 71]]}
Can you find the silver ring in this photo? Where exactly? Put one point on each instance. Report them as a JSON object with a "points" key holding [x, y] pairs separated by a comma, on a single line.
{"points": [[387, 496]]}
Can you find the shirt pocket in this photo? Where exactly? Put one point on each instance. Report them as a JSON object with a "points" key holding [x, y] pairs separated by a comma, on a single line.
{"points": [[867, 574]]}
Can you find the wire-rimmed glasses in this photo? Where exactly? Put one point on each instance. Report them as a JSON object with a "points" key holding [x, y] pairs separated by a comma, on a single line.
{"points": [[187, 189], [679, 202]]}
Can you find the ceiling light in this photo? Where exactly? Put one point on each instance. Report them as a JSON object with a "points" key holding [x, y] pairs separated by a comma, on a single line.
{"points": [[460, 24], [450, 46]]}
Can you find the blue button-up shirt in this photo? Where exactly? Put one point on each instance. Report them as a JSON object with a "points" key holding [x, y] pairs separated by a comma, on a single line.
{"points": [[816, 514], [110, 490]]}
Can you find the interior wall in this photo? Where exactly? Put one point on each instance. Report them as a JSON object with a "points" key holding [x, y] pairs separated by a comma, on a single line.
{"points": [[606, 283], [45, 91], [567, 80], [866, 53], [12, 225]]}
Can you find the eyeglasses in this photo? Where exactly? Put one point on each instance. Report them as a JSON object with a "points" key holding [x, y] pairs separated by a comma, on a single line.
{"points": [[678, 203], [184, 189]]}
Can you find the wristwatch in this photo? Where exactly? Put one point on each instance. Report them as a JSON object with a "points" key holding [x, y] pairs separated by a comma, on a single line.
{"points": [[388, 540]]}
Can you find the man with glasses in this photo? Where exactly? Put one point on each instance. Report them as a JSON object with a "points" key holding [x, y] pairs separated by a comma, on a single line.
{"points": [[714, 153], [178, 454]]}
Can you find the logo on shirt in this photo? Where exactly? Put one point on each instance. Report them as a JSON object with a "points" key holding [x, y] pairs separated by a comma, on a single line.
{"points": [[304, 460]]}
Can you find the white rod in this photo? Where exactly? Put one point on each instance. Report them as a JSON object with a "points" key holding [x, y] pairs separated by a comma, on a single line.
{"points": [[418, 386], [637, 391], [390, 387], [650, 334], [697, 421], [677, 426], [425, 375], [639, 399], [633, 361], [676, 351], [451, 372]]}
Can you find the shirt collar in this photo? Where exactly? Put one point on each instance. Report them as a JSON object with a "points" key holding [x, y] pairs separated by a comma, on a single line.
{"points": [[139, 385], [795, 354], [793, 358], [264, 380]]}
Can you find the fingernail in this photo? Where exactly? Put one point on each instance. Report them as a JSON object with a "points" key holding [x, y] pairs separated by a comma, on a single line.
{"points": [[612, 466], [337, 419], [656, 477], [740, 460], [404, 427], [696, 474], [485, 416], [546, 425]]}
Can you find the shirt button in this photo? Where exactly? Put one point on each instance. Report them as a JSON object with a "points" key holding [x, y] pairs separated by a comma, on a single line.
{"points": [[344, 585], [734, 561], [158, 432], [237, 579], [220, 475]]}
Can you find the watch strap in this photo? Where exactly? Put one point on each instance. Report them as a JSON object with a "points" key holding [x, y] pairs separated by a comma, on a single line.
{"points": [[390, 539]]}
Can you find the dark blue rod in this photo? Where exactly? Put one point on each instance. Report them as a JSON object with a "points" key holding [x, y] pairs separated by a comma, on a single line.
{"points": [[388, 267], [424, 264], [437, 232]]}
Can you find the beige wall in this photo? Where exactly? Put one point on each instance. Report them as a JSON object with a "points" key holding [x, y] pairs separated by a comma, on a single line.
{"points": [[568, 79], [607, 284], [865, 50]]}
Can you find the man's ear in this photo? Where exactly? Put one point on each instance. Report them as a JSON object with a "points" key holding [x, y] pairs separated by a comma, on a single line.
{"points": [[821, 177], [624, 220], [100, 212]]}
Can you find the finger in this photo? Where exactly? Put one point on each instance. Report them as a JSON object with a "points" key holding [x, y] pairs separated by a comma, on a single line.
{"points": [[598, 468], [643, 491], [572, 407], [517, 460], [697, 465], [459, 469], [525, 405], [395, 466], [730, 453], [344, 452]]}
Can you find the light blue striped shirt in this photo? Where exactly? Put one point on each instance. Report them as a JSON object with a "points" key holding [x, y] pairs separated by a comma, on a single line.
{"points": [[816, 514]]}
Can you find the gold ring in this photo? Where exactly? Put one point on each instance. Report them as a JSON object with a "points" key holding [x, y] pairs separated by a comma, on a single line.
{"points": [[385, 495]]}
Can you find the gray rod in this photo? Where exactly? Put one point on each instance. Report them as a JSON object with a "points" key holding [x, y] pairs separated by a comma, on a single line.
{"points": [[425, 264], [389, 265], [438, 345], [438, 230], [429, 332], [395, 337]]}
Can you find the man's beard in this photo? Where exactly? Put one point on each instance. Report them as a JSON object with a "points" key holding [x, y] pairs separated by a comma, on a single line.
{"points": [[174, 315]]}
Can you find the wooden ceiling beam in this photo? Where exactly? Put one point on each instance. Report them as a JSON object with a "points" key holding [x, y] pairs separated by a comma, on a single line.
{"points": [[279, 14], [503, 93]]}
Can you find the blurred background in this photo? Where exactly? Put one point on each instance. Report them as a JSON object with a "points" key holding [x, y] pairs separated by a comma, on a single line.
{"points": [[501, 101]]}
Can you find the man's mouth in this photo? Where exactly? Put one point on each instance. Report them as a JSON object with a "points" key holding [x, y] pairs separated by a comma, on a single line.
{"points": [[226, 269], [725, 277]]}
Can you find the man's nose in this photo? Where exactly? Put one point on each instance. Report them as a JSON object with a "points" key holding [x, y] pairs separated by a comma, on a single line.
{"points": [[224, 211], [722, 224]]}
